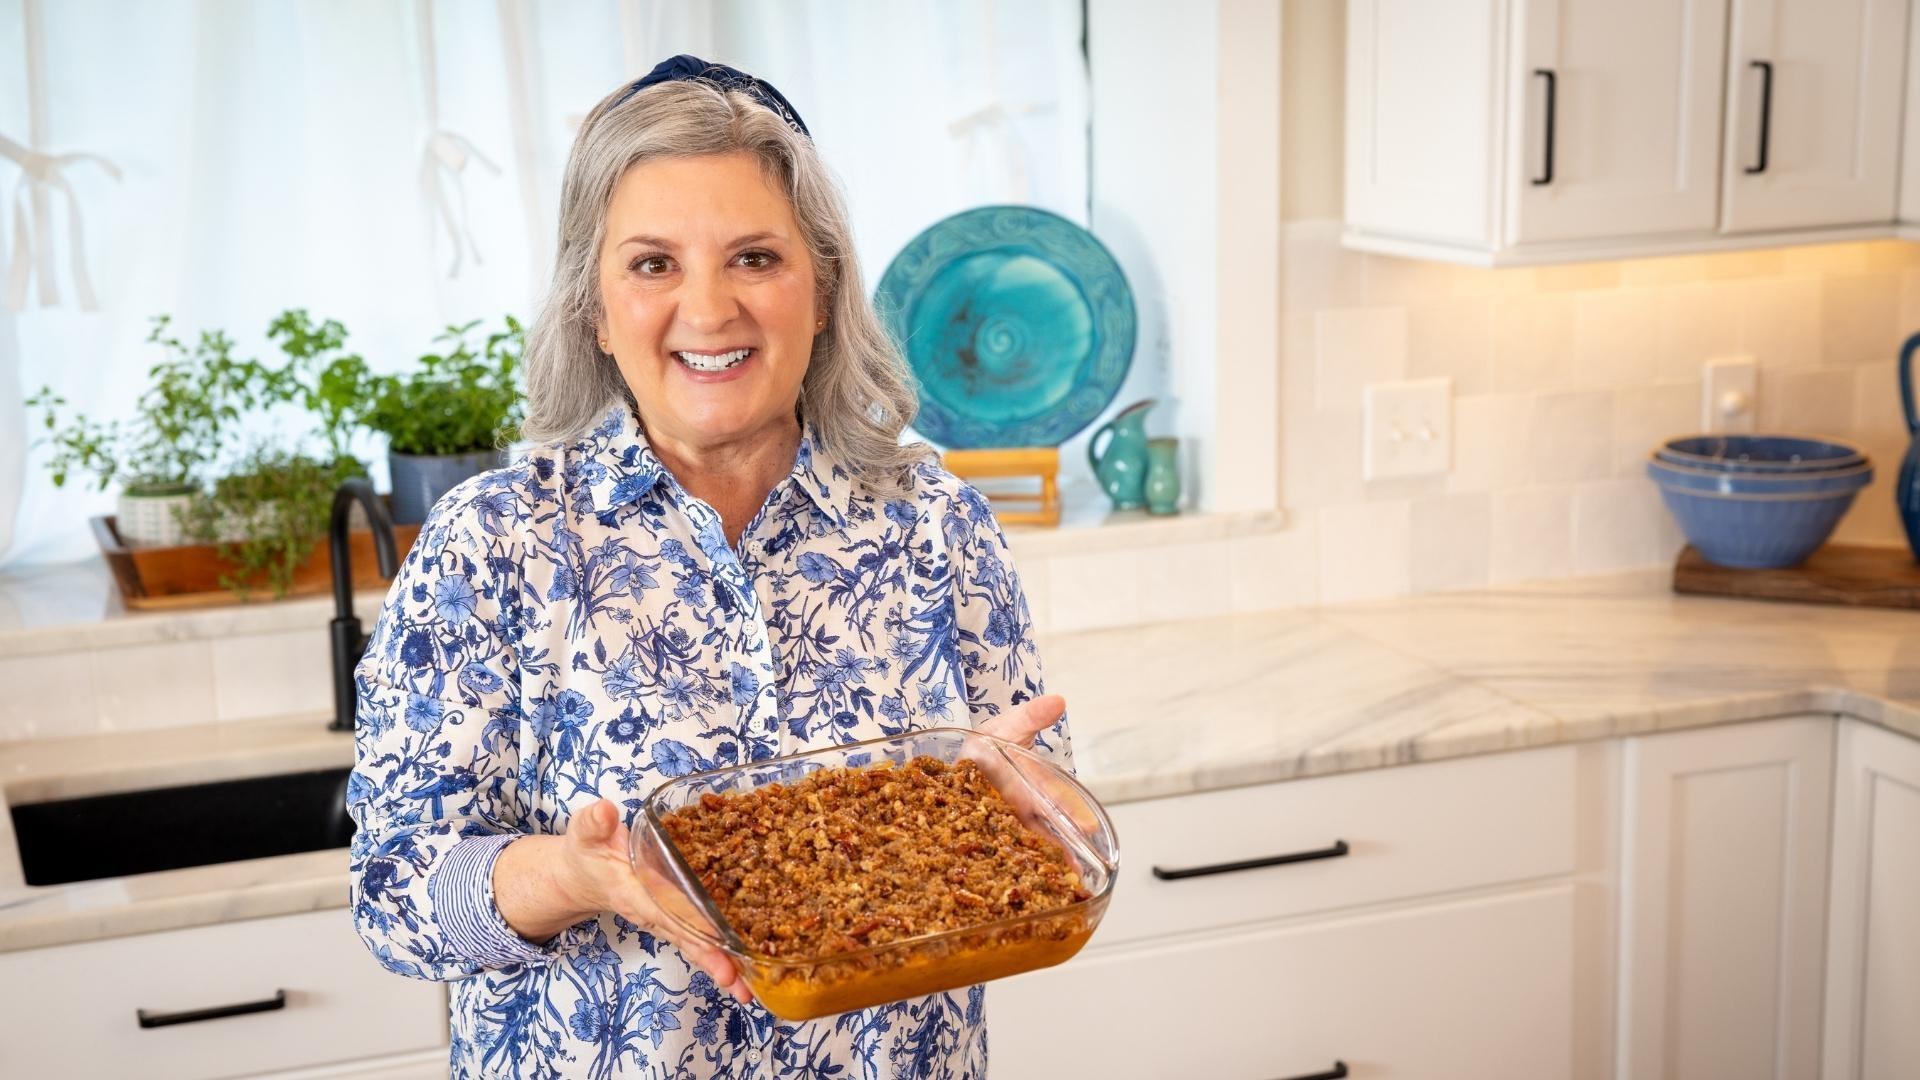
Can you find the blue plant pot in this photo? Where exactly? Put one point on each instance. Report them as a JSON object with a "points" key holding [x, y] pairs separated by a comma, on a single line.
{"points": [[1757, 521], [420, 480]]}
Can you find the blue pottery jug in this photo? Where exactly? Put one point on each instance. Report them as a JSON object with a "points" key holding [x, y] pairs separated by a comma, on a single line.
{"points": [[1906, 492], [1121, 467]]}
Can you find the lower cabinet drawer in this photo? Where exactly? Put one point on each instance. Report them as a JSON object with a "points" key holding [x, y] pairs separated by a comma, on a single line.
{"points": [[1480, 987], [1408, 831], [73, 1010]]}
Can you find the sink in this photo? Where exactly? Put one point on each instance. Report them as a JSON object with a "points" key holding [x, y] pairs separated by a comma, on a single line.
{"points": [[136, 832]]}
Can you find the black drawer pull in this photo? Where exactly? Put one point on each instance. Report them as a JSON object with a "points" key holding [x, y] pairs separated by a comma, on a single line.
{"points": [[1338, 1072], [1766, 113], [1338, 849], [1553, 88], [194, 1016]]}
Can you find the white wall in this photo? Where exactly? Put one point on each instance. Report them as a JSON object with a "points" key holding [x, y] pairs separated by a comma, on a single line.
{"points": [[1185, 104]]}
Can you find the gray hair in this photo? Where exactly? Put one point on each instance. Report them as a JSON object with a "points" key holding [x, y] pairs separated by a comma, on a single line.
{"points": [[856, 395]]}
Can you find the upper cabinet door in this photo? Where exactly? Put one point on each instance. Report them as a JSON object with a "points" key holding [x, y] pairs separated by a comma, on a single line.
{"points": [[1616, 109], [1910, 132], [1421, 112], [1814, 92]]}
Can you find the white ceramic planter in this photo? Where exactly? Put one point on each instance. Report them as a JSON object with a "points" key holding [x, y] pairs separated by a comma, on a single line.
{"points": [[151, 520]]}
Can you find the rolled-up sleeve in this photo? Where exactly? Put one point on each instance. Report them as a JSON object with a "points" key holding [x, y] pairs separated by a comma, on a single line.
{"points": [[999, 657], [435, 789]]}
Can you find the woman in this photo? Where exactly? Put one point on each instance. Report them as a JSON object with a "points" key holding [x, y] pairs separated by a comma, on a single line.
{"points": [[722, 553]]}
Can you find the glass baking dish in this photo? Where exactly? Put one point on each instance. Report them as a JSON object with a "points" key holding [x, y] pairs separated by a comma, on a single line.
{"points": [[1044, 796]]}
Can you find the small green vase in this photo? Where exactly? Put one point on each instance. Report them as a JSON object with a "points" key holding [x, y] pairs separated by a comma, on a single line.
{"points": [[1163, 476]]}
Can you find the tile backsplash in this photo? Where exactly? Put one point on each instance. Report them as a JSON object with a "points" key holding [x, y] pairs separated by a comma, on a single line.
{"points": [[1564, 378]]}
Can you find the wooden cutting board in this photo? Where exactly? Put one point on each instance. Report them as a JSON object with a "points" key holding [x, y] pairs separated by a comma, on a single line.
{"points": [[1859, 574]]}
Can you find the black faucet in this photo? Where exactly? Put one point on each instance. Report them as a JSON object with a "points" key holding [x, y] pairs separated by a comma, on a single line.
{"points": [[348, 642]]}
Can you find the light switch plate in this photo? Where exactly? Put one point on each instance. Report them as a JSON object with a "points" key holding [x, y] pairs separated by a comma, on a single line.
{"points": [[1729, 394], [1408, 428]]}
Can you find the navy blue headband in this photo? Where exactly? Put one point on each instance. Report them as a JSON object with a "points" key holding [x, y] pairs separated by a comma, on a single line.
{"points": [[683, 68]]}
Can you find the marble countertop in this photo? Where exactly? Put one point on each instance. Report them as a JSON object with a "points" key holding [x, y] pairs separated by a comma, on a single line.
{"points": [[1156, 710]]}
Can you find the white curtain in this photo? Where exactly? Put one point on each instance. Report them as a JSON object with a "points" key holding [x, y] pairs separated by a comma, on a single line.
{"points": [[271, 156]]}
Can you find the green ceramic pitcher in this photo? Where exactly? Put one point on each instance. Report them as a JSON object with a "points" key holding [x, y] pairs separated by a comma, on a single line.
{"points": [[1121, 466], [1163, 476]]}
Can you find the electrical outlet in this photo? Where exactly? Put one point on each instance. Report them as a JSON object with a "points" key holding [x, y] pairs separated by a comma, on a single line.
{"points": [[1729, 394], [1409, 428]]}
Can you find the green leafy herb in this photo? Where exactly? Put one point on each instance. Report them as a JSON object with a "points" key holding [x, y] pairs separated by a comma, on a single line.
{"points": [[182, 424], [460, 400], [267, 515]]}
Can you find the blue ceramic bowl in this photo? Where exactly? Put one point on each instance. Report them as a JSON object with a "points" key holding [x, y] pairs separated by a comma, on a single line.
{"points": [[1760, 484], [1757, 520], [1759, 453]]}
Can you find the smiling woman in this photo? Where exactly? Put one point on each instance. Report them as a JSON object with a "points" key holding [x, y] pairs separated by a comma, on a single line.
{"points": [[720, 553]]}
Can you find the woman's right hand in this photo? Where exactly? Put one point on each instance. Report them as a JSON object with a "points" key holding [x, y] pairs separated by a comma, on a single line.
{"points": [[596, 875]]}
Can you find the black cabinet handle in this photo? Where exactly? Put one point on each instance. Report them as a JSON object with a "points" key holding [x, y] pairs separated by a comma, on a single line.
{"points": [[1338, 1072], [194, 1016], [1766, 113], [1553, 86], [1338, 849]]}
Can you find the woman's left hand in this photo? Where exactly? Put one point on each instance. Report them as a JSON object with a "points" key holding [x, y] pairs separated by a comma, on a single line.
{"points": [[1020, 723]]}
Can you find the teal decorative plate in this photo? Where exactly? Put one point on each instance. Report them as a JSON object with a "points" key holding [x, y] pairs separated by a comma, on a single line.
{"points": [[1017, 323]]}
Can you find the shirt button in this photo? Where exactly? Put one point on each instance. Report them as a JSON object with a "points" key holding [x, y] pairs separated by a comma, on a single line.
{"points": [[753, 1057]]}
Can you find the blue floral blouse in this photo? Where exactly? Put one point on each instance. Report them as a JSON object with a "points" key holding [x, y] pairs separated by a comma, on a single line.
{"points": [[575, 627]]}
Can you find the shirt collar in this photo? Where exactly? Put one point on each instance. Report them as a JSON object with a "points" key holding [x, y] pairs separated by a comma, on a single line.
{"points": [[620, 467]]}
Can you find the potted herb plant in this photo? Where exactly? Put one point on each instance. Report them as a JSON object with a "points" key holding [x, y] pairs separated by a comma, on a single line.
{"points": [[319, 377], [449, 420], [181, 425], [270, 507], [268, 514]]}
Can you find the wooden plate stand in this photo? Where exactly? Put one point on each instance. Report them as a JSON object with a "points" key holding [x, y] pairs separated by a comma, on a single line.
{"points": [[1022, 508]]}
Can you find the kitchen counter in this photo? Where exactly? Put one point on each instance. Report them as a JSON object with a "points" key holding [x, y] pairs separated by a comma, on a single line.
{"points": [[1157, 710]]}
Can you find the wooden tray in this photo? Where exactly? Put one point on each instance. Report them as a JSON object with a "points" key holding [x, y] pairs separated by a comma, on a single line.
{"points": [[188, 576], [1858, 574]]}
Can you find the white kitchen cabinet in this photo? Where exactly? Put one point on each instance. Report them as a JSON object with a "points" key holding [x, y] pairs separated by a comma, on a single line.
{"points": [[1617, 109], [1813, 105], [420, 1065], [1510, 132], [1497, 131], [1402, 833], [1723, 876], [1480, 986], [1910, 138], [1873, 950], [1419, 157], [1461, 930], [75, 1010]]}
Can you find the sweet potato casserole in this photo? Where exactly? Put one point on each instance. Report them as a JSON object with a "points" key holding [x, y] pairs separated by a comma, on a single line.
{"points": [[824, 871]]}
